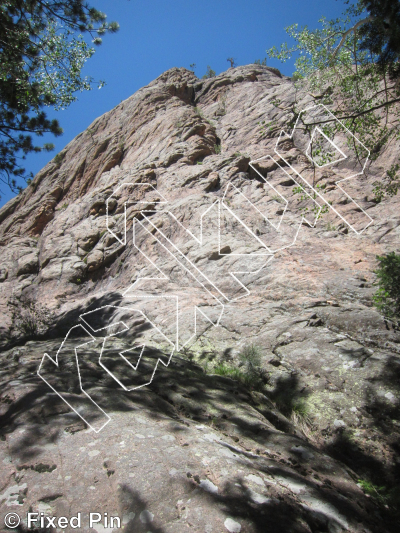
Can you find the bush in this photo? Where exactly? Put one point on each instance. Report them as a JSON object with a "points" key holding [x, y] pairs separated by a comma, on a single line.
{"points": [[300, 408], [251, 367], [250, 372], [29, 318], [250, 380], [221, 111], [225, 370], [199, 112], [250, 359], [58, 158], [387, 297]]}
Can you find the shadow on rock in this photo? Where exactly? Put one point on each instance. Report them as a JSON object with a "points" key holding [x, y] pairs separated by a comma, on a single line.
{"points": [[135, 508]]}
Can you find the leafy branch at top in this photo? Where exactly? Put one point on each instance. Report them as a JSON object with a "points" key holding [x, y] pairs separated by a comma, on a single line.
{"points": [[341, 65]]}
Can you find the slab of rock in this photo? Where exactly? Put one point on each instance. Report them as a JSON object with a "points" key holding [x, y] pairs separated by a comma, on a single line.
{"points": [[190, 449]]}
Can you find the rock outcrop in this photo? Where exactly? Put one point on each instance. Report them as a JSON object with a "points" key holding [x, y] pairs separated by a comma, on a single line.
{"points": [[194, 450]]}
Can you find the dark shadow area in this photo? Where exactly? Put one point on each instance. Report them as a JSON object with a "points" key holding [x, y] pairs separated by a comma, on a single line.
{"points": [[377, 480], [71, 318], [60, 325], [382, 410], [380, 478], [180, 392], [288, 394], [281, 511], [132, 502]]}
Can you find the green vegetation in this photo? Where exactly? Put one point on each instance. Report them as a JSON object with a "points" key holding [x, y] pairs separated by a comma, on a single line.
{"points": [[380, 34], [261, 62], [223, 369], [296, 76], [315, 210], [250, 359], [372, 490], [42, 56], [58, 158], [390, 185], [221, 106], [300, 408], [250, 381], [266, 127], [217, 148], [387, 297], [210, 73], [278, 199], [250, 372], [29, 318], [275, 101], [200, 114], [330, 227], [351, 64], [385, 496]]}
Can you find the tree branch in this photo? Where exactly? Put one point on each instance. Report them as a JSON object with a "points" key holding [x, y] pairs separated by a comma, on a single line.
{"points": [[346, 33], [385, 104]]}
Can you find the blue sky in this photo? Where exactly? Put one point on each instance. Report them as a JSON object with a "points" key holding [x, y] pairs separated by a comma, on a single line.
{"points": [[156, 35]]}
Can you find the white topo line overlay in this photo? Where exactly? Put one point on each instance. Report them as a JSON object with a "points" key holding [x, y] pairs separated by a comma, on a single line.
{"points": [[316, 192], [102, 418]]}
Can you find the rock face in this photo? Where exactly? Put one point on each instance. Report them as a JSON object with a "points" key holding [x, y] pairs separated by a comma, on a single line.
{"points": [[159, 202]]}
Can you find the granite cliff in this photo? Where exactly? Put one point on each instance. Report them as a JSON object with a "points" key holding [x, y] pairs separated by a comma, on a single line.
{"points": [[195, 450]]}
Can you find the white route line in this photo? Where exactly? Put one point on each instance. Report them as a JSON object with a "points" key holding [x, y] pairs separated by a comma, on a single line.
{"points": [[196, 308], [283, 133], [126, 328], [56, 363], [344, 156], [266, 218], [184, 262]]}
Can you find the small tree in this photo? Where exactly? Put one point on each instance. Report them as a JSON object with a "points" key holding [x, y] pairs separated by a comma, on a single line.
{"points": [[387, 297], [209, 74], [232, 62], [250, 362]]}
